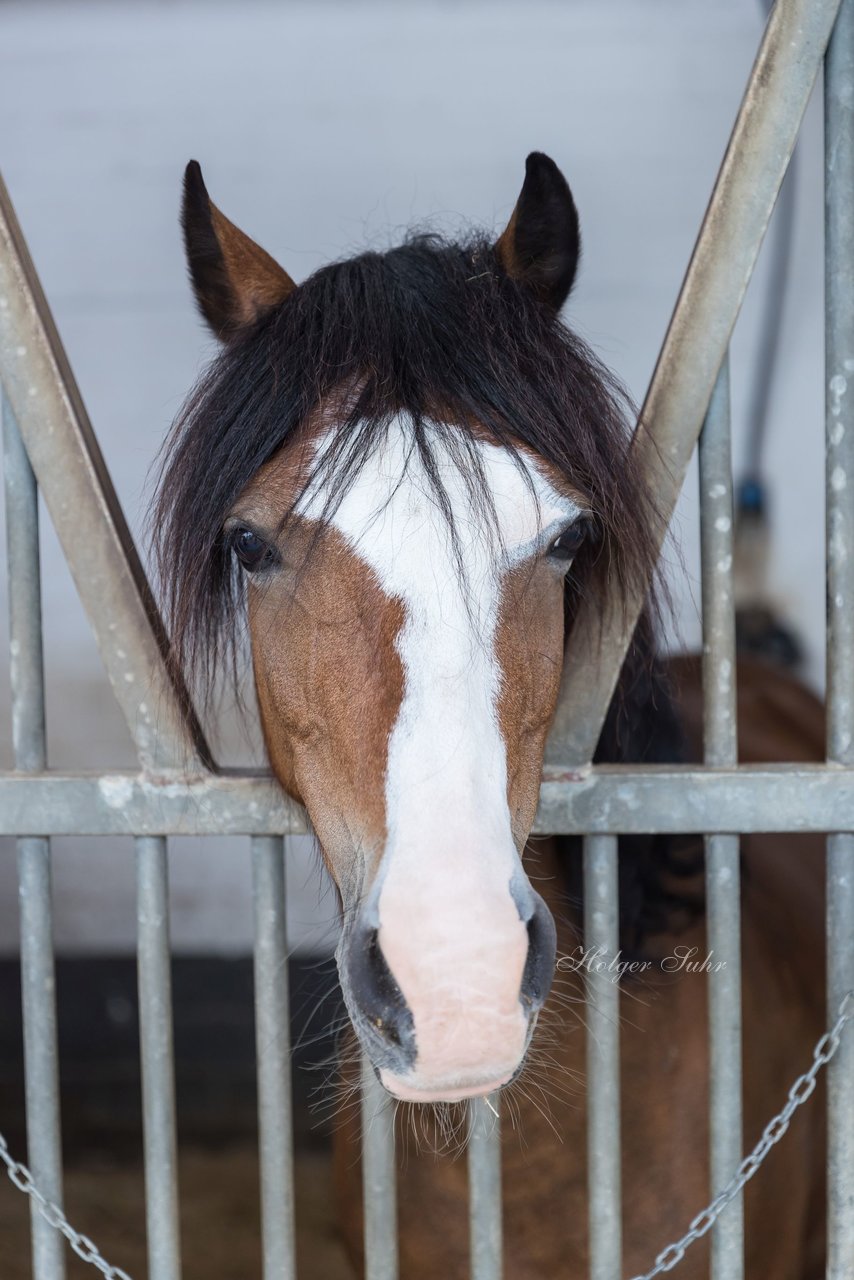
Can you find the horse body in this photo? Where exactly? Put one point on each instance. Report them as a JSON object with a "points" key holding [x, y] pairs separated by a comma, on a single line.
{"points": [[407, 470]]}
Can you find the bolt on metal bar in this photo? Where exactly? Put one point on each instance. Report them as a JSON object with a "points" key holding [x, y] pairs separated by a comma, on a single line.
{"points": [[38, 990], [79, 495], [379, 1183], [484, 1169], [723, 881], [721, 265], [273, 1051], [839, 415], [158, 1070], [602, 937]]}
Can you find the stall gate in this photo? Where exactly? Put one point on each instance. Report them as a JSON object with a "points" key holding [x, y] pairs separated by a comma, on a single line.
{"points": [[177, 790]]}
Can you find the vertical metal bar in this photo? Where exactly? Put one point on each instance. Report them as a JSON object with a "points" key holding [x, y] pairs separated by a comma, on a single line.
{"points": [[602, 938], [484, 1168], [273, 1052], [38, 993], [25, 614], [378, 1178], [158, 1070], [723, 882], [840, 1079], [839, 415]]}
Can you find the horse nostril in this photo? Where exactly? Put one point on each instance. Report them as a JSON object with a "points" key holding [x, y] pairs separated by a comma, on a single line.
{"points": [[379, 1006], [386, 989], [540, 962]]}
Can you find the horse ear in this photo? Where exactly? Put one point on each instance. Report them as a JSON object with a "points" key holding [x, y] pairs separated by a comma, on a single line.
{"points": [[541, 244], [234, 280]]}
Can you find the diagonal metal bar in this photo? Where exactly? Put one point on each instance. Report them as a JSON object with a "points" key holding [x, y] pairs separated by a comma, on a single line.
{"points": [[84, 508], [753, 168]]}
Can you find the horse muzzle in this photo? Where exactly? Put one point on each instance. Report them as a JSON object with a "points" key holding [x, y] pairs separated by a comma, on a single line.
{"points": [[444, 1003]]}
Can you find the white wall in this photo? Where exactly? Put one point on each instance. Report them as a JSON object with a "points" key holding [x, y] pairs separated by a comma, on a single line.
{"points": [[323, 128]]}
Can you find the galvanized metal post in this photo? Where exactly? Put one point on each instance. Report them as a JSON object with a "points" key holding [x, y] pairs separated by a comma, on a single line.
{"points": [[158, 1070], [378, 1178], [723, 880], [484, 1168], [639, 799], [273, 1052], [86, 513], [839, 392], [38, 990], [718, 274], [602, 939]]}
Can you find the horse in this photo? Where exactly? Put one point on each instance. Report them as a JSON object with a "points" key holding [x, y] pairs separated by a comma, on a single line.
{"points": [[400, 476]]}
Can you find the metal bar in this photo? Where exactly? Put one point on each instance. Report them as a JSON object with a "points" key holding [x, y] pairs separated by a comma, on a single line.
{"points": [[84, 508], [484, 1169], [158, 1071], [778, 254], [379, 1182], [720, 737], [273, 1051], [38, 990], [41, 1067], [25, 610], [839, 413], [602, 936], [607, 799], [759, 148], [723, 877], [840, 1073]]}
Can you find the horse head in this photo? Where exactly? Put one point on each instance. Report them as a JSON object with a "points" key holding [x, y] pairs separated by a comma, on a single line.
{"points": [[397, 467]]}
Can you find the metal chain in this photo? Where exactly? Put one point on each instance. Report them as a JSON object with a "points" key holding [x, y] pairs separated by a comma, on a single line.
{"points": [[21, 1177], [773, 1132], [800, 1091]]}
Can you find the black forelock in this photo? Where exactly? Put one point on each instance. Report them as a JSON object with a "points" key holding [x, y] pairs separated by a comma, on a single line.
{"points": [[431, 330]]}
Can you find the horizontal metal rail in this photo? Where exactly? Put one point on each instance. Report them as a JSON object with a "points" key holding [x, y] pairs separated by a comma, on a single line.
{"points": [[608, 799]]}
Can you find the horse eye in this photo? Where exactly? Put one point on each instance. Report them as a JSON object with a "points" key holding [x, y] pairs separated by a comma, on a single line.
{"points": [[252, 552], [568, 543]]}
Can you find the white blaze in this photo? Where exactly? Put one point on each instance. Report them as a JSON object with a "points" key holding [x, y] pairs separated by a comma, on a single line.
{"points": [[448, 927]]}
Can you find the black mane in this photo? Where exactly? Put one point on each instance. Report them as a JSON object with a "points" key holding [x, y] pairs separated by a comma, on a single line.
{"points": [[433, 330]]}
